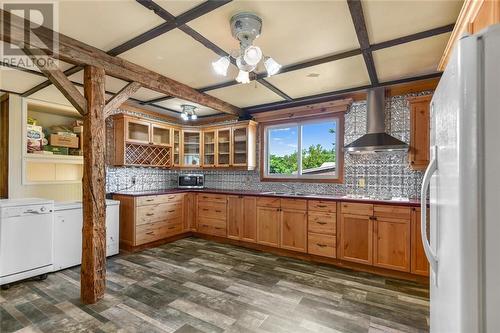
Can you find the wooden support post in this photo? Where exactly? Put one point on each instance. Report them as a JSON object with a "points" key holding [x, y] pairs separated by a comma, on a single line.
{"points": [[93, 269]]}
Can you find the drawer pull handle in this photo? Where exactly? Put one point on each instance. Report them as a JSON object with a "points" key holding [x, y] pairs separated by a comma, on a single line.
{"points": [[171, 211], [219, 228], [205, 209], [149, 200], [322, 206], [150, 233], [218, 211], [322, 223], [170, 228], [321, 245], [150, 214]]}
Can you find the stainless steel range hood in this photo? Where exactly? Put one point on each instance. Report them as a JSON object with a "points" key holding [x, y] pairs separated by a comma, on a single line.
{"points": [[375, 139]]}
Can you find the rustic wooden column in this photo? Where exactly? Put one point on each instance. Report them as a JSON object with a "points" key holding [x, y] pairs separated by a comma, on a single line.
{"points": [[93, 269]]}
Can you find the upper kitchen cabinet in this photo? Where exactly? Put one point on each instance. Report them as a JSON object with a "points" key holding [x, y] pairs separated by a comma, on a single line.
{"points": [[138, 142], [418, 153], [191, 142], [224, 147], [176, 144], [244, 145], [209, 148]]}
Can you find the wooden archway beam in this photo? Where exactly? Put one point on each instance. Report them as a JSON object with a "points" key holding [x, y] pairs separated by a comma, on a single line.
{"points": [[120, 97]]}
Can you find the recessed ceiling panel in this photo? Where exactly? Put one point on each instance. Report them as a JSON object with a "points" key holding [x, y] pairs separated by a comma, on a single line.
{"points": [[292, 31], [179, 57], [105, 24], [243, 95], [112, 84], [176, 105], [176, 8], [53, 95], [332, 76], [410, 59], [386, 20], [145, 94], [18, 81]]}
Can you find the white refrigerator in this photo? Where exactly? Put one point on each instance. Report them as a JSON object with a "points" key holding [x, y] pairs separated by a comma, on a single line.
{"points": [[464, 180]]}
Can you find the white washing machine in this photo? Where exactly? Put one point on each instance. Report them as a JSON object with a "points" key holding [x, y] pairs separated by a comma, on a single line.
{"points": [[26, 234], [68, 224]]}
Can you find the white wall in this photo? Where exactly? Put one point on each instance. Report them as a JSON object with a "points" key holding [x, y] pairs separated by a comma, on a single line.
{"points": [[58, 192]]}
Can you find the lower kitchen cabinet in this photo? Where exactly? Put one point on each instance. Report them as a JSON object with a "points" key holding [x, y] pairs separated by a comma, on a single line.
{"points": [[419, 263], [391, 243], [190, 211], [242, 218], [268, 226], [356, 234], [294, 230], [212, 214], [321, 245]]}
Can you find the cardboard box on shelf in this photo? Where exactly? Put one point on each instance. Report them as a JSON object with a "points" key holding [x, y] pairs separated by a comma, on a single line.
{"points": [[64, 141], [57, 150], [35, 136]]}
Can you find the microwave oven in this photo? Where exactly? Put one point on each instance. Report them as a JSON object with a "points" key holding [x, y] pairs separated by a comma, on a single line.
{"points": [[191, 181]]}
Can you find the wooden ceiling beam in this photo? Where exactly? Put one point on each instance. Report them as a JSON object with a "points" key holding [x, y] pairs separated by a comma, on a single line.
{"points": [[48, 67], [73, 51], [120, 97], [358, 18]]}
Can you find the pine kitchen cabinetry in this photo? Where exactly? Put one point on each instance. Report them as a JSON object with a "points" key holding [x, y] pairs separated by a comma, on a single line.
{"points": [[146, 219], [191, 152], [419, 263], [212, 214], [242, 218], [224, 147], [356, 232], [418, 153], [209, 148], [282, 223], [322, 228]]}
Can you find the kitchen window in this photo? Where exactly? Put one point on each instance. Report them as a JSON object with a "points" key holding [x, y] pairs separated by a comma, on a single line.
{"points": [[308, 150]]}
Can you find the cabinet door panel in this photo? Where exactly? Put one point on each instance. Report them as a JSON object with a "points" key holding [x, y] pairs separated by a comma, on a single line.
{"points": [[356, 238], [268, 226], [294, 230], [419, 263], [234, 216], [418, 153], [391, 244], [249, 230]]}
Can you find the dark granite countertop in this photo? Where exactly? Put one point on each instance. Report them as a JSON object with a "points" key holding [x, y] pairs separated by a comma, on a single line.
{"points": [[345, 198]]}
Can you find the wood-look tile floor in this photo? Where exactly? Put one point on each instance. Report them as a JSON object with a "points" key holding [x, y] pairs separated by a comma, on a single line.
{"points": [[194, 285]]}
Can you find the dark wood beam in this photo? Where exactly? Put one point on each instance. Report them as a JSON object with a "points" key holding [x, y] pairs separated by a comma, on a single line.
{"points": [[93, 268], [120, 97], [325, 97], [48, 67], [413, 37], [73, 51], [274, 89], [358, 18]]}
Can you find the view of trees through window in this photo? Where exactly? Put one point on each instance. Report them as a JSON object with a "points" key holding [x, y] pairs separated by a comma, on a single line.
{"points": [[318, 145]]}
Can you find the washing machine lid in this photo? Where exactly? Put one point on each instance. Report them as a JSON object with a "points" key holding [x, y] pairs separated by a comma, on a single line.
{"points": [[24, 202], [66, 205]]}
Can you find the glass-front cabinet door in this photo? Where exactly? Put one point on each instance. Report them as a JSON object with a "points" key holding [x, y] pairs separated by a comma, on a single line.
{"points": [[137, 131], [191, 151], [223, 147], [160, 135], [240, 144], [176, 139], [209, 149]]}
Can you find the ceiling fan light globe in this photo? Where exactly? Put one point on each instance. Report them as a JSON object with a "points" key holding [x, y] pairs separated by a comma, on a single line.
{"points": [[220, 66], [252, 55], [272, 67], [184, 116], [243, 77], [194, 116]]}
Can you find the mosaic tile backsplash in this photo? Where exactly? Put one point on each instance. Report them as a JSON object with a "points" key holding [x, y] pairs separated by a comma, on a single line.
{"points": [[386, 174]]}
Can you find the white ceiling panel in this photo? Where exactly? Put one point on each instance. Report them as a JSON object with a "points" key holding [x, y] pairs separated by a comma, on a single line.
{"points": [[105, 24], [243, 95], [386, 20], [175, 104], [53, 95], [332, 76], [410, 59], [177, 7], [292, 31], [18, 81], [145, 94], [179, 57], [112, 84]]}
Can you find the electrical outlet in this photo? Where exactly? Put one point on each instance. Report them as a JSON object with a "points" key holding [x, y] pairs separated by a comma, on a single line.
{"points": [[133, 180], [361, 182]]}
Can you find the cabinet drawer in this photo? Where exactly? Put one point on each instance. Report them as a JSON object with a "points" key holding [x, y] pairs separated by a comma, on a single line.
{"points": [[212, 227], [212, 210], [160, 212], [322, 223], [321, 245], [357, 209], [155, 231], [322, 206], [158, 199], [396, 212], [211, 197], [268, 202], [298, 204]]}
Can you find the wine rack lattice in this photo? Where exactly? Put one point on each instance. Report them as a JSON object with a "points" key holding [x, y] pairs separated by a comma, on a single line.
{"points": [[148, 155]]}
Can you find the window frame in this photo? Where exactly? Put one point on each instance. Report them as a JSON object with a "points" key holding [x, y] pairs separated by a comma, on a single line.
{"points": [[264, 172]]}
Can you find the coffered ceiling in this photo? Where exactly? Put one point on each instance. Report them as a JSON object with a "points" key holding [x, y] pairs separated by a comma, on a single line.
{"points": [[316, 42]]}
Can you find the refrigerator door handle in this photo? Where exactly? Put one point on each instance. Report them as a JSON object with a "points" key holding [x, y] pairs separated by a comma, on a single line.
{"points": [[429, 252]]}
